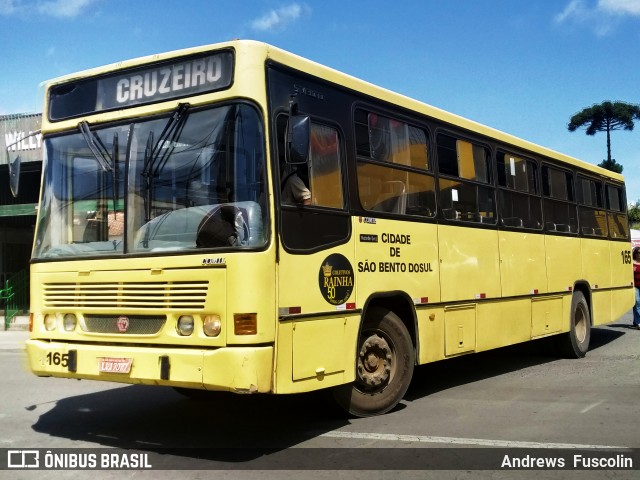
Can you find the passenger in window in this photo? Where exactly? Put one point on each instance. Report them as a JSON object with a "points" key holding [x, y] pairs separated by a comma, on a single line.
{"points": [[636, 282], [294, 189]]}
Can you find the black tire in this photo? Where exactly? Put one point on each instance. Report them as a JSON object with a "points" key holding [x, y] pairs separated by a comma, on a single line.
{"points": [[575, 343], [385, 360]]}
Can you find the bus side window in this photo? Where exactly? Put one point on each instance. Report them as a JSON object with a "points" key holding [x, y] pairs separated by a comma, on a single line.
{"points": [[519, 198], [559, 206], [616, 216], [394, 174], [592, 216], [468, 195], [325, 171], [319, 181]]}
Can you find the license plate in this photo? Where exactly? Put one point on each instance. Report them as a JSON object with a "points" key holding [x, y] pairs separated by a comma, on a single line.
{"points": [[115, 365]]}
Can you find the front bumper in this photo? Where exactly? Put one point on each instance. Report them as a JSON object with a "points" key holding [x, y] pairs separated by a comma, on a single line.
{"points": [[236, 369]]}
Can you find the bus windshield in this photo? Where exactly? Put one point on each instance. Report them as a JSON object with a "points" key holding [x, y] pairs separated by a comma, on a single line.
{"points": [[193, 180]]}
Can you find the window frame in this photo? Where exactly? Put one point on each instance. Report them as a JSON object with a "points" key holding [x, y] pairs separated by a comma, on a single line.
{"points": [[620, 213], [473, 216], [589, 209], [364, 156], [529, 195], [551, 202]]}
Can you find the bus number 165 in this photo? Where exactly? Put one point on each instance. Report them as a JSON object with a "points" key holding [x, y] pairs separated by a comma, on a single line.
{"points": [[61, 359]]}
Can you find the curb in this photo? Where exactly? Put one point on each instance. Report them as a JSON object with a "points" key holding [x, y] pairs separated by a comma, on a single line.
{"points": [[19, 323]]}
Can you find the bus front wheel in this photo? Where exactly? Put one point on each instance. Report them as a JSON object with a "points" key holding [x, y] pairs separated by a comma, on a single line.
{"points": [[385, 360], [575, 343]]}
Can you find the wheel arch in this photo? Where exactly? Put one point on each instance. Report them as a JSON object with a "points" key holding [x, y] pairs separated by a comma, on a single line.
{"points": [[584, 287], [399, 303]]}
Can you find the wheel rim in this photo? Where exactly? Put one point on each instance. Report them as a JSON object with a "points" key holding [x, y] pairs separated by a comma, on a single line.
{"points": [[580, 324], [376, 363]]}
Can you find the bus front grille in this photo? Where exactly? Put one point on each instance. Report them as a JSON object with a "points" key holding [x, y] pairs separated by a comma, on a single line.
{"points": [[135, 324], [127, 295]]}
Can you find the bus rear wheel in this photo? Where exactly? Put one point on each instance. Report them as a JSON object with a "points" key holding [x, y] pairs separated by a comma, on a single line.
{"points": [[385, 360], [575, 343]]}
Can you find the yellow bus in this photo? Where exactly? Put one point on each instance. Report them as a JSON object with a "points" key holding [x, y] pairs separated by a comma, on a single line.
{"points": [[237, 218]]}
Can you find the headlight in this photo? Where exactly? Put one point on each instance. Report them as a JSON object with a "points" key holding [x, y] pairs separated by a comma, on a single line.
{"points": [[49, 322], [69, 322], [212, 325], [186, 325]]}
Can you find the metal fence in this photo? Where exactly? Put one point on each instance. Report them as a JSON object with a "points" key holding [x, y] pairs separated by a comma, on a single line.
{"points": [[15, 296]]}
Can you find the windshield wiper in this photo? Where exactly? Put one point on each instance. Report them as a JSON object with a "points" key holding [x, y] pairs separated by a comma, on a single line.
{"points": [[97, 147], [108, 161], [156, 156]]}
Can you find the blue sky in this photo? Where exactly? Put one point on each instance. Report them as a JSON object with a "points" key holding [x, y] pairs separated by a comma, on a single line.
{"points": [[524, 67]]}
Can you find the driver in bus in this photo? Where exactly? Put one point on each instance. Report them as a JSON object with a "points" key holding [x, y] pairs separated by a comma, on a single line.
{"points": [[294, 190]]}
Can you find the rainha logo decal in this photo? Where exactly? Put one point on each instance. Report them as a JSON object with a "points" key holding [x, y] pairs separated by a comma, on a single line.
{"points": [[335, 279]]}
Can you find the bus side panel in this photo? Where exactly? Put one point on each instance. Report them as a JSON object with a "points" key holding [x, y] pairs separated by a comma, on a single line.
{"points": [[522, 264], [469, 263], [621, 302], [396, 256], [503, 323], [315, 353], [549, 314], [596, 263], [621, 264], [316, 344], [622, 299], [596, 266], [601, 307], [431, 334], [564, 265], [460, 327]]}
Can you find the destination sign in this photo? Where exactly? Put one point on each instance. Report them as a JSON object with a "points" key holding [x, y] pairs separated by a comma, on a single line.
{"points": [[142, 85]]}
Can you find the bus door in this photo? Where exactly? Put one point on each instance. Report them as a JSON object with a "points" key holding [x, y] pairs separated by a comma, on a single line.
{"points": [[315, 257]]}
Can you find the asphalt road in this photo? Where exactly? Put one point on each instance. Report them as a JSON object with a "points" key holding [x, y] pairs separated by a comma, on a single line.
{"points": [[515, 401]]}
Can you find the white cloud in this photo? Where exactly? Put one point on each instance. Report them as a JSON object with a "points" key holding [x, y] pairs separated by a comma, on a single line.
{"points": [[575, 9], [8, 7], [620, 7], [63, 8], [278, 19], [602, 15], [52, 8]]}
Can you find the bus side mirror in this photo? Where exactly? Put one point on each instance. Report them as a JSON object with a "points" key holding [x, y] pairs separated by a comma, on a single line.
{"points": [[298, 135], [14, 174]]}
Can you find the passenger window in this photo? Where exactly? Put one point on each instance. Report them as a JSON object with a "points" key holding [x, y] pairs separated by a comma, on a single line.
{"points": [[615, 200], [559, 209], [590, 192], [325, 176], [557, 183], [390, 190], [463, 159], [517, 173], [385, 139], [393, 164], [519, 201], [593, 218], [617, 220], [319, 181], [465, 198], [520, 210]]}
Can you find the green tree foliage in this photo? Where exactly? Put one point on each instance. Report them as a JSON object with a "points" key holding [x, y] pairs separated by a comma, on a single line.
{"points": [[606, 117], [611, 165], [634, 213]]}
